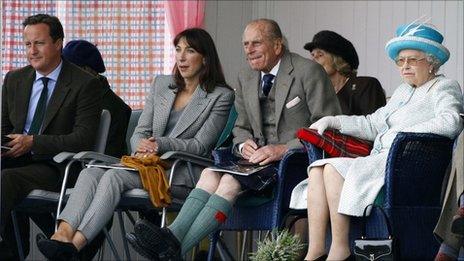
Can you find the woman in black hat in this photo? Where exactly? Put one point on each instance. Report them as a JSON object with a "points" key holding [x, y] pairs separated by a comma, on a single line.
{"points": [[87, 56], [357, 95]]}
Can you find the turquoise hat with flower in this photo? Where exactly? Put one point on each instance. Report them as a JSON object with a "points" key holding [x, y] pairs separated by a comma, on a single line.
{"points": [[422, 37]]}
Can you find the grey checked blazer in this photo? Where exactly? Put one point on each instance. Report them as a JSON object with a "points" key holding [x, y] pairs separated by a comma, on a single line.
{"points": [[197, 130]]}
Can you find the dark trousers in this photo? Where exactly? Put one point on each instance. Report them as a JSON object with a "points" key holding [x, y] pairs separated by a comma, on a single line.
{"points": [[18, 178]]}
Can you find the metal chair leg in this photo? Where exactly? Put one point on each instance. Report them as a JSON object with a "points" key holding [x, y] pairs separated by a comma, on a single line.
{"points": [[19, 243], [123, 233], [238, 242], [216, 241], [63, 191], [246, 235], [112, 246], [129, 215], [213, 238], [224, 252], [171, 175]]}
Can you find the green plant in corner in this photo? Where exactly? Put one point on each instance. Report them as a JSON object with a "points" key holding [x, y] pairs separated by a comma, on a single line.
{"points": [[281, 245]]}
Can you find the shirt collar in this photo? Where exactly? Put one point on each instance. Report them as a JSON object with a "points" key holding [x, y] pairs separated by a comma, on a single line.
{"points": [[274, 70], [53, 75]]}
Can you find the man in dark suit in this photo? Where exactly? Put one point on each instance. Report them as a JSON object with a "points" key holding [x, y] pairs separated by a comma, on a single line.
{"points": [[48, 106]]}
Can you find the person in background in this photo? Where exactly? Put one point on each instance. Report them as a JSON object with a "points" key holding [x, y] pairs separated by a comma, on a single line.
{"points": [[449, 230], [48, 107], [425, 102], [88, 57], [358, 95], [183, 112], [278, 93]]}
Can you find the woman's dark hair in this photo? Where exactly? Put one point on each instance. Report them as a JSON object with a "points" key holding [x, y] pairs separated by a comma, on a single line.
{"points": [[56, 29], [211, 74]]}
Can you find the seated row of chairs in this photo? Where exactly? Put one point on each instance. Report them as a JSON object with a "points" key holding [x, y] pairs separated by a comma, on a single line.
{"points": [[411, 194]]}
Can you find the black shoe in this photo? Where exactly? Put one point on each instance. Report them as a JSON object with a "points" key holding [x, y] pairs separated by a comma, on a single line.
{"points": [[158, 240], [56, 250], [140, 248], [6, 253]]}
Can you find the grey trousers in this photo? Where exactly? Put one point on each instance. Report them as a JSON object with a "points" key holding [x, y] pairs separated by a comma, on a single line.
{"points": [[95, 196]]}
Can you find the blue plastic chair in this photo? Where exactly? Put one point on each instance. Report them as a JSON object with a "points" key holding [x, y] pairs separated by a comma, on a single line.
{"points": [[268, 215], [415, 169]]}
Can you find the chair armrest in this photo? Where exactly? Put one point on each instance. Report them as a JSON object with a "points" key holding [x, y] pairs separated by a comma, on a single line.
{"points": [[292, 170], [95, 156], [185, 156], [415, 168], [314, 153], [63, 156], [180, 156], [294, 159]]}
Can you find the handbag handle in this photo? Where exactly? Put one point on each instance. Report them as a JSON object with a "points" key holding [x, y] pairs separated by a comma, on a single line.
{"points": [[387, 221]]}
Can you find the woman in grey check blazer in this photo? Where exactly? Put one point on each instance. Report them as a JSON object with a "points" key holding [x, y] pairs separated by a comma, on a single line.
{"points": [[184, 112], [338, 188]]}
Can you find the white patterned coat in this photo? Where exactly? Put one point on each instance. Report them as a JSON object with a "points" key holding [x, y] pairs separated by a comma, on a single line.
{"points": [[431, 108]]}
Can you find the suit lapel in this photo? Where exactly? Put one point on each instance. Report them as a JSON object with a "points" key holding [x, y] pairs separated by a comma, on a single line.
{"points": [[192, 112], [252, 91], [24, 90], [62, 87], [161, 109], [282, 83]]}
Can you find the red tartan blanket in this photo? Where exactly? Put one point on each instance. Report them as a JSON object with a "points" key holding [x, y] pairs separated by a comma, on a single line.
{"points": [[336, 144]]}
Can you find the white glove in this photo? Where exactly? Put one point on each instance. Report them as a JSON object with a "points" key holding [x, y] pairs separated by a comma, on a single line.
{"points": [[328, 122]]}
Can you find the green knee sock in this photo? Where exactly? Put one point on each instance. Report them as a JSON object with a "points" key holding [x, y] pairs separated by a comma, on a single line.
{"points": [[194, 203], [213, 214]]}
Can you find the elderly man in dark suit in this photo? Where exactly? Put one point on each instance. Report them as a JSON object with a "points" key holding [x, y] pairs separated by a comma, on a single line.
{"points": [[48, 106]]}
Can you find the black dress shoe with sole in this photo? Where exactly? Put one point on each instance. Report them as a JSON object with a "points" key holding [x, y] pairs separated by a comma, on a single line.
{"points": [[6, 254], [140, 248], [159, 240], [56, 250]]}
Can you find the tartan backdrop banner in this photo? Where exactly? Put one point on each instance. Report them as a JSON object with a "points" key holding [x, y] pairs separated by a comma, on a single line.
{"points": [[132, 36]]}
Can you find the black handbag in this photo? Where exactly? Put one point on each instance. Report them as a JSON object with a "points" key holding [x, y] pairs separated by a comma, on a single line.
{"points": [[376, 248]]}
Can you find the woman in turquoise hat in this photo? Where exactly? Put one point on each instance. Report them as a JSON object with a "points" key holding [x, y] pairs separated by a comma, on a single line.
{"points": [[425, 102]]}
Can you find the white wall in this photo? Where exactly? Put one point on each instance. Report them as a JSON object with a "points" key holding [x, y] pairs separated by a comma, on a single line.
{"points": [[367, 24]]}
